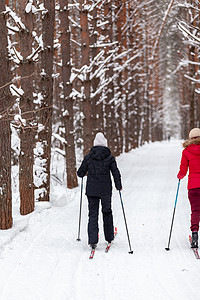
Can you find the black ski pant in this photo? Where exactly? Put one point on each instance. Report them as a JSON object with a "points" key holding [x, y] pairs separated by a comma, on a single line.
{"points": [[93, 227]]}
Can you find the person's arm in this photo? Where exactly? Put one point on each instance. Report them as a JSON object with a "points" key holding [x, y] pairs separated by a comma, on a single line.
{"points": [[116, 174], [183, 166], [83, 167]]}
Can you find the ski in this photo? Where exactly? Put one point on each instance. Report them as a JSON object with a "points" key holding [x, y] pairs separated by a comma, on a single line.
{"points": [[107, 248], [109, 244], [195, 250], [92, 253]]}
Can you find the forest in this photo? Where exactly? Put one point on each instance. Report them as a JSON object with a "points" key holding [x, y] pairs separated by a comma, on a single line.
{"points": [[72, 68]]}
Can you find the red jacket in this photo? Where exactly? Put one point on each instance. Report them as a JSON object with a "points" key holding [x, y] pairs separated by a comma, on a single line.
{"points": [[191, 159]]}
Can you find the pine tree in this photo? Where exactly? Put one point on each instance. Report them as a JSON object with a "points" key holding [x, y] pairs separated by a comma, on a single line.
{"points": [[46, 106], [27, 134], [5, 132], [68, 115], [85, 52]]}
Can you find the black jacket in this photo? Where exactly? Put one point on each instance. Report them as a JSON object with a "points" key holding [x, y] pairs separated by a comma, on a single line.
{"points": [[97, 165]]}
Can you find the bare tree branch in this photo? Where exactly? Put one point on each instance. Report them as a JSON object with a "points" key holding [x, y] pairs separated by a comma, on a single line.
{"points": [[24, 77]]}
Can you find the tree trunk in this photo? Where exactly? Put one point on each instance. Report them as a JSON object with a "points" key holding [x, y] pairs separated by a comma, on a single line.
{"points": [[192, 88], [146, 79], [46, 84], [27, 137], [5, 132], [85, 50], [134, 84], [118, 87], [110, 126], [97, 108], [68, 99]]}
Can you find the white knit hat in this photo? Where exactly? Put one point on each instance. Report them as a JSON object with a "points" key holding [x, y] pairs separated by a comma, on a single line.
{"points": [[195, 132], [100, 140]]}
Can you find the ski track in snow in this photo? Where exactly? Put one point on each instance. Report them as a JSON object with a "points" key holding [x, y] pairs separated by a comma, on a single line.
{"points": [[43, 260]]}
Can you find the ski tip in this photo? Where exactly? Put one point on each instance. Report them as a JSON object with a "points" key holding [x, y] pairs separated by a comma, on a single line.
{"points": [[167, 249], [92, 254]]}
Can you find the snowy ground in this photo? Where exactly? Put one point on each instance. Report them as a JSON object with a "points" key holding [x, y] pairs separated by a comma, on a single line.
{"points": [[40, 258]]}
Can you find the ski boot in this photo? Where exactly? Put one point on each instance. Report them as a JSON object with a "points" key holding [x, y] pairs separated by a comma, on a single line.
{"points": [[93, 246], [194, 243]]}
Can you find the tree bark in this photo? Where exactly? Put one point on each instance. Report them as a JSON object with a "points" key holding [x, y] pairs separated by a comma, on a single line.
{"points": [[97, 108], [68, 99], [46, 84], [85, 50], [110, 126], [27, 136], [119, 93], [5, 132]]}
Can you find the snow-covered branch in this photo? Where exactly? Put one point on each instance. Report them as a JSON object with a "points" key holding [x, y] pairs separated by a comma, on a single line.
{"points": [[74, 22], [187, 33], [16, 91], [60, 138], [15, 79], [76, 4], [75, 42], [94, 5], [102, 65], [14, 29], [105, 83], [15, 18], [104, 45], [17, 55], [161, 28], [35, 52], [30, 7], [192, 79]]}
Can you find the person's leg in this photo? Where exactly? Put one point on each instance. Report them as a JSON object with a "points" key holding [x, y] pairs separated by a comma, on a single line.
{"points": [[107, 218], [194, 198], [93, 228]]}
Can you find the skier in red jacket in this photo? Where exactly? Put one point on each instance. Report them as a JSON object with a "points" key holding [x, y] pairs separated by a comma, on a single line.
{"points": [[191, 159]]}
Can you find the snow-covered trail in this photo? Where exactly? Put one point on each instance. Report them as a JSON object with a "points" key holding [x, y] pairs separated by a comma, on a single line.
{"points": [[40, 258]]}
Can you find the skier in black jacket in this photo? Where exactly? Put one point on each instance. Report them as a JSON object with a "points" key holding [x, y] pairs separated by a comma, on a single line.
{"points": [[97, 165]]}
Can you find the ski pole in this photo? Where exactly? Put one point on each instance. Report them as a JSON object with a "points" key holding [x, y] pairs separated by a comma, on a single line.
{"points": [[173, 216], [79, 228], [131, 251]]}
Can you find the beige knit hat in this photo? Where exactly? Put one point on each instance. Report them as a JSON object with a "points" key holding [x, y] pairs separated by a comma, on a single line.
{"points": [[195, 132], [100, 140]]}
